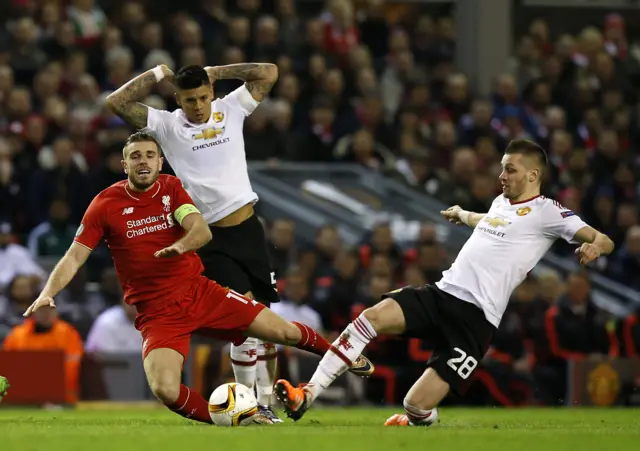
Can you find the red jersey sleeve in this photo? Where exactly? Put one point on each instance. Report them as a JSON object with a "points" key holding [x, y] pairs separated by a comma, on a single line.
{"points": [[92, 227]]}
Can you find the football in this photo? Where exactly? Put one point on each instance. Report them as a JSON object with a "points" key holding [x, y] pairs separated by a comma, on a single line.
{"points": [[232, 404]]}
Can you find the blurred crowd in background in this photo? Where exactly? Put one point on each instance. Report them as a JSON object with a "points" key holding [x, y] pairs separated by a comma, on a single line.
{"points": [[357, 84]]}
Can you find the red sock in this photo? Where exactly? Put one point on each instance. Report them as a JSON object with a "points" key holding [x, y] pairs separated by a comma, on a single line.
{"points": [[191, 405], [311, 341]]}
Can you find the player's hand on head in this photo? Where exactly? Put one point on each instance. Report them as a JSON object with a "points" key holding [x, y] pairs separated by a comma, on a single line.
{"points": [[588, 252], [171, 251], [42, 301], [452, 214], [168, 73], [213, 73]]}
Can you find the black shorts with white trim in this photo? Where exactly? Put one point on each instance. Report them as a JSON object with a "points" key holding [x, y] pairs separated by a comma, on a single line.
{"points": [[459, 330], [237, 257]]}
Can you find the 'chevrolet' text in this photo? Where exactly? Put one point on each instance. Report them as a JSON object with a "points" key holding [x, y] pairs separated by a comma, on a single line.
{"points": [[210, 144], [139, 227]]}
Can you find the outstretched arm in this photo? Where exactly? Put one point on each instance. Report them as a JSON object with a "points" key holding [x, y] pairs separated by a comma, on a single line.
{"points": [[560, 222], [124, 101], [590, 235], [259, 78], [473, 219], [594, 244], [61, 275], [458, 216]]}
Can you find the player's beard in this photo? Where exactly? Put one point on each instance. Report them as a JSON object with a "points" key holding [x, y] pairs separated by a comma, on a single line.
{"points": [[142, 183], [514, 189]]}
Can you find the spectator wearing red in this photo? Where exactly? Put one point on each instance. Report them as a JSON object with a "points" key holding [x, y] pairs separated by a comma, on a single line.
{"points": [[615, 36], [340, 30]]}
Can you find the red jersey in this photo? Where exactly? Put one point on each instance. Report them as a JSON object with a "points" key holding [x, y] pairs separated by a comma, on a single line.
{"points": [[136, 225]]}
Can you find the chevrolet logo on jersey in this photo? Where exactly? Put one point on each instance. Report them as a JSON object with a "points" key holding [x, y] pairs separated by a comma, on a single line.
{"points": [[497, 222], [209, 133]]}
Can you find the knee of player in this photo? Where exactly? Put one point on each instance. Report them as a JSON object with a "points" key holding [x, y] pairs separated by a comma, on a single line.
{"points": [[290, 334], [372, 314], [285, 333], [167, 391]]}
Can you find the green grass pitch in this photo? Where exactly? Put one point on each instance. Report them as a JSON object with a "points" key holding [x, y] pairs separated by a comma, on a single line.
{"points": [[324, 429]]}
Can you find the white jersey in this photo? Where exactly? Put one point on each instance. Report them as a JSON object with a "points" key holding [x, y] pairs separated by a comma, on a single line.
{"points": [[209, 159], [504, 247]]}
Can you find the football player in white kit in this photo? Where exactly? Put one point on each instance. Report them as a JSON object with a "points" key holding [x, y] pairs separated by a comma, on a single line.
{"points": [[204, 144], [461, 312]]}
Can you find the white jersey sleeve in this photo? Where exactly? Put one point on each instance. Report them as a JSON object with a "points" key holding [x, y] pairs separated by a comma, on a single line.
{"points": [[158, 123], [560, 222], [242, 100]]}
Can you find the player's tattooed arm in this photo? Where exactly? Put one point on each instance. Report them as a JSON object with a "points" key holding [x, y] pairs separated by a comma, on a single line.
{"points": [[124, 101], [259, 78]]}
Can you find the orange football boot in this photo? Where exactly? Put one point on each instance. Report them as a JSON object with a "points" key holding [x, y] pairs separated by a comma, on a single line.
{"points": [[293, 398], [403, 420], [397, 420]]}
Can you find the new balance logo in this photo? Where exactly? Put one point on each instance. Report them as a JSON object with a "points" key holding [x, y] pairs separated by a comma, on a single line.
{"points": [[127, 211]]}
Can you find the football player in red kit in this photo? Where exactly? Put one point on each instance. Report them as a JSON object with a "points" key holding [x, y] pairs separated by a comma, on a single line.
{"points": [[152, 229]]}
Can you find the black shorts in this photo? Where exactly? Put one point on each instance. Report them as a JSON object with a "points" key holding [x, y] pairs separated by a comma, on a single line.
{"points": [[237, 257], [459, 331]]}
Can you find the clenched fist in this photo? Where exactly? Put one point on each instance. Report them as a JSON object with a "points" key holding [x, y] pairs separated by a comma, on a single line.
{"points": [[588, 252]]}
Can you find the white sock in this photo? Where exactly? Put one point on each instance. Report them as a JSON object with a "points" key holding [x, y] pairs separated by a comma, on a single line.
{"points": [[266, 371], [418, 416], [243, 361], [348, 346]]}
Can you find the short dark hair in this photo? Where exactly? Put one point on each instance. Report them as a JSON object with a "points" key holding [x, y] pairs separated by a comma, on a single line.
{"points": [[139, 137], [191, 77], [529, 148]]}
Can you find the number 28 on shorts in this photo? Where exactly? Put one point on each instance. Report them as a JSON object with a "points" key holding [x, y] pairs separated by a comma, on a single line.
{"points": [[463, 364]]}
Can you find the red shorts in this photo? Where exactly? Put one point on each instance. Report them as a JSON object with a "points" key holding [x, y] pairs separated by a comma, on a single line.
{"points": [[206, 308]]}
